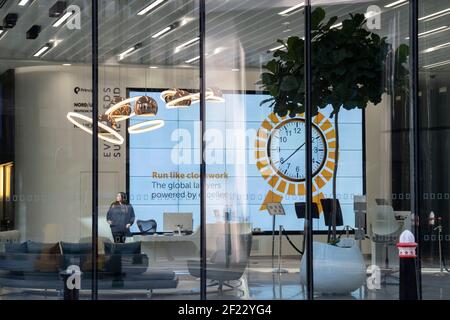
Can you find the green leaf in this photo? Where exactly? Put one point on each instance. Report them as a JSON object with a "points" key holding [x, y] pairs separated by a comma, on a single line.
{"points": [[268, 78], [272, 66], [289, 83], [347, 68], [265, 101], [317, 17], [330, 22]]}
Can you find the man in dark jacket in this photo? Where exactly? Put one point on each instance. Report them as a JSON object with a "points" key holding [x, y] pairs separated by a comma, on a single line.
{"points": [[120, 218]]}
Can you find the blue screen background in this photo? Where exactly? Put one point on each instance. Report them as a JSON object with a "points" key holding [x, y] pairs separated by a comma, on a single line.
{"points": [[175, 149]]}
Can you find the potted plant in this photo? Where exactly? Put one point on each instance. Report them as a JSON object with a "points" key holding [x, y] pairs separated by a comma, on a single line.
{"points": [[348, 64]]}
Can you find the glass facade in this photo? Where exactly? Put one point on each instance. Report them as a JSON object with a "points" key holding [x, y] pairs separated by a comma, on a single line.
{"points": [[206, 150]]}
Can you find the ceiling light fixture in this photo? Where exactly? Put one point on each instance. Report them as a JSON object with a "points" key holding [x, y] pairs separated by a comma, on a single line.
{"points": [[42, 51], [130, 51], [393, 4], [337, 25], [63, 19], [435, 15], [10, 20], [153, 67], [33, 32], [178, 98], [116, 137], [151, 7], [432, 32], [277, 48], [120, 109], [164, 31], [291, 10], [438, 47], [193, 59], [3, 32], [186, 44], [437, 64], [146, 126], [23, 3]]}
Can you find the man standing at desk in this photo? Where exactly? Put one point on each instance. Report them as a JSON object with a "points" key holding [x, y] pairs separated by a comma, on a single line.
{"points": [[120, 218]]}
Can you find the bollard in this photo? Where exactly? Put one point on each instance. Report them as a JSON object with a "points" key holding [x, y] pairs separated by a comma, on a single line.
{"points": [[407, 254], [72, 282]]}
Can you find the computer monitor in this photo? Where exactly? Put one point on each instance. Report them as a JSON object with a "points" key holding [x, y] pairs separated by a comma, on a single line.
{"points": [[171, 221], [300, 210], [327, 205]]}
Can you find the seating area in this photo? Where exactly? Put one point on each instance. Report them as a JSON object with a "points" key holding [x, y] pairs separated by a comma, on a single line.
{"points": [[35, 265]]}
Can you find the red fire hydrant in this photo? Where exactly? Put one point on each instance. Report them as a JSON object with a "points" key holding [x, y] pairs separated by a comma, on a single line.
{"points": [[408, 271]]}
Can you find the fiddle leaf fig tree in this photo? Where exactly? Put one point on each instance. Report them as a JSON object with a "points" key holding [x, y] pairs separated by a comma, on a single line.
{"points": [[349, 68]]}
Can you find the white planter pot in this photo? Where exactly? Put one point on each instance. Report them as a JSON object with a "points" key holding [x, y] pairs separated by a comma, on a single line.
{"points": [[336, 270]]}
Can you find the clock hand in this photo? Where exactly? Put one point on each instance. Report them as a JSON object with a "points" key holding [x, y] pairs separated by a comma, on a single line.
{"points": [[293, 153]]}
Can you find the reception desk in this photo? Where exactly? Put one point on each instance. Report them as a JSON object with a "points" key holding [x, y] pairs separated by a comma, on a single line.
{"points": [[183, 247]]}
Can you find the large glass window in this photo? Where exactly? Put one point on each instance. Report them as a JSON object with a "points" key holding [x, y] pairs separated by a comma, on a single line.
{"points": [[182, 181], [361, 88], [434, 46], [149, 180], [255, 152], [46, 148]]}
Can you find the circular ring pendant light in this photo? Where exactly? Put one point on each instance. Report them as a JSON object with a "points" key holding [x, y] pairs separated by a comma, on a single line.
{"points": [[108, 134], [146, 126]]}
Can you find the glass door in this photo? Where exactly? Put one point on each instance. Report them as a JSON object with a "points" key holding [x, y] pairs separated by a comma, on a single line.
{"points": [[362, 106], [255, 149], [149, 206], [45, 147]]}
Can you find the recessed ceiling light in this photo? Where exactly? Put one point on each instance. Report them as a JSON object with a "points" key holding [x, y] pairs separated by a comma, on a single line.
{"points": [[42, 51], [67, 64], [432, 32], [292, 10], [193, 59], [393, 4], [164, 31], [186, 44], [276, 48], [63, 19], [435, 15], [152, 6], [130, 51], [438, 47], [23, 3], [337, 25], [153, 67], [437, 64]]}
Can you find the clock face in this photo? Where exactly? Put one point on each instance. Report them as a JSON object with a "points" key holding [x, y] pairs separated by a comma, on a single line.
{"points": [[286, 149]]}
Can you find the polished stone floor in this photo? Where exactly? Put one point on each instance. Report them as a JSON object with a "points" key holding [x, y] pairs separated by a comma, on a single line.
{"points": [[259, 283]]}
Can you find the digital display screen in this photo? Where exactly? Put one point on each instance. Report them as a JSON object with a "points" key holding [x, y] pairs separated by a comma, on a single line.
{"points": [[252, 157]]}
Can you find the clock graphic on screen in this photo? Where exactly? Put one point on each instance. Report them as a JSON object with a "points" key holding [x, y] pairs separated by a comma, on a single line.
{"points": [[280, 148], [287, 146]]}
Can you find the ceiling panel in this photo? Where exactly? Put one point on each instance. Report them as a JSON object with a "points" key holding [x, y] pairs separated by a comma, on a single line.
{"points": [[237, 30]]}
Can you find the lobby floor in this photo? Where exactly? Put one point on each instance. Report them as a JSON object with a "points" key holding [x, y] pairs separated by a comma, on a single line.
{"points": [[258, 284]]}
